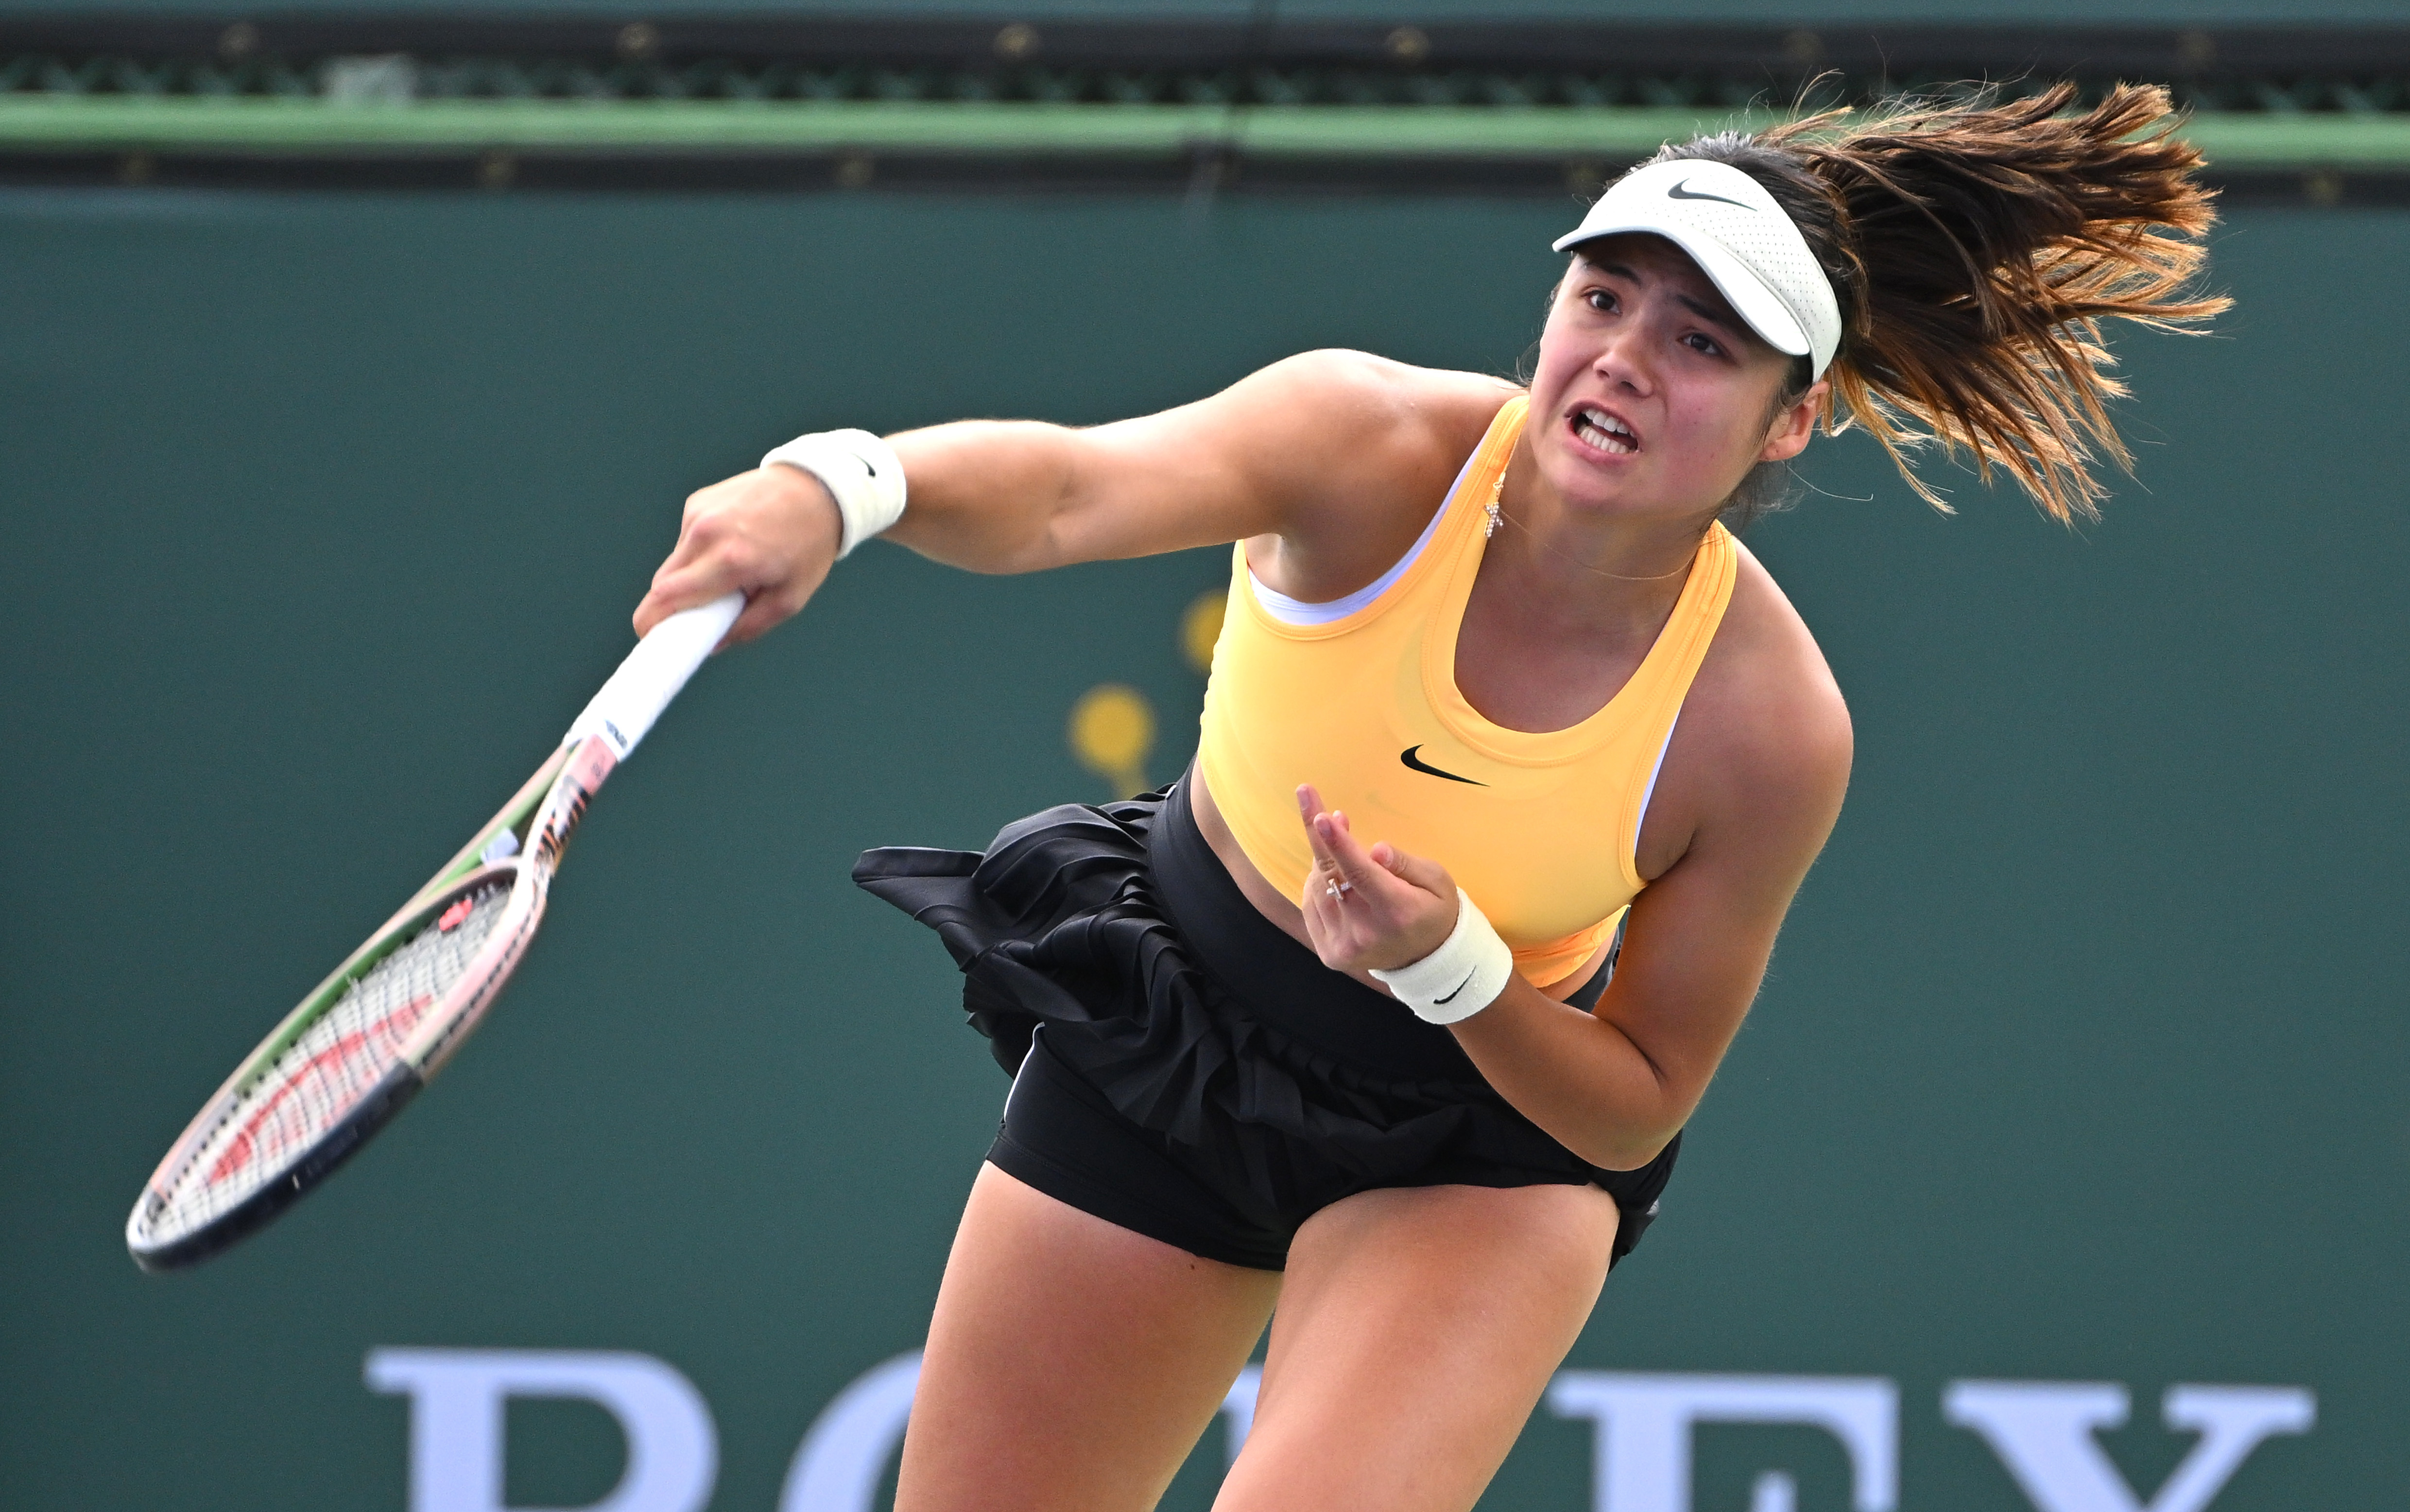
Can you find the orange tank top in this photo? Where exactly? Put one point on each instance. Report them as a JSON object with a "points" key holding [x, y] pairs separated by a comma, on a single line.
{"points": [[1539, 829]]}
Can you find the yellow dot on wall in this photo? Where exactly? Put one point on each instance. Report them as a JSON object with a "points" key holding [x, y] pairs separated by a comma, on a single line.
{"points": [[1112, 729], [1200, 627]]}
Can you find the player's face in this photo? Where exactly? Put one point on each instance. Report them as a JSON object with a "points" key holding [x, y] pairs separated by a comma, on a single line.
{"points": [[1652, 396]]}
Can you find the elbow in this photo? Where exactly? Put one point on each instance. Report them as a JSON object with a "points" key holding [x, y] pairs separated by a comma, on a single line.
{"points": [[1631, 1141], [1628, 1132], [1622, 1150]]}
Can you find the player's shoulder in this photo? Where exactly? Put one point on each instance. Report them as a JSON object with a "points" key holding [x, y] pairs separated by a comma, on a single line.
{"points": [[1369, 377], [1392, 400], [1782, 723], [1380, 422]]}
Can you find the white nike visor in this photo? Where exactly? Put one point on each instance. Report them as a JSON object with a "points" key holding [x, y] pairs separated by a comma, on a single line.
{"points": [[1739, 237]]}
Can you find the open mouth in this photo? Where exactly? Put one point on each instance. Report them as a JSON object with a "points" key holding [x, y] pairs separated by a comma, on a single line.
{"points": [[1601, 432]]}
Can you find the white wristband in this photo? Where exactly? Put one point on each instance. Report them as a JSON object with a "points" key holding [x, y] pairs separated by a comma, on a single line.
{"points": [[1463, 977], [862, 474]]}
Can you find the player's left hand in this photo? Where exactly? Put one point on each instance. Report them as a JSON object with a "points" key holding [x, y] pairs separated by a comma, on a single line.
{"points": [[1370, 909]]}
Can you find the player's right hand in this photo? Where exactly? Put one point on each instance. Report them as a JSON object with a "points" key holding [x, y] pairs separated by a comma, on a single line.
{"points": [[771, 534]]}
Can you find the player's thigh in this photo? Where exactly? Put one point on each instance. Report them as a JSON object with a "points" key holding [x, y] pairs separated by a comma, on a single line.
{"points": [[1071, 1362], [1417, 1331]]}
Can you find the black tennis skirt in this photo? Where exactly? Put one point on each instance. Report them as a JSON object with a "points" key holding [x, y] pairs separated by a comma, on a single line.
{"points": [[1199, 1075]]}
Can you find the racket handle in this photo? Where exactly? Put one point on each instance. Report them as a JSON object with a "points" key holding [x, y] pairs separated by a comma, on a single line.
{"points": [[653, 673]]}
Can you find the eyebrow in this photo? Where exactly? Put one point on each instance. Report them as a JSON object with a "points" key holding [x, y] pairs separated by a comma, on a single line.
{"points": [[1704, 311], [1708, 313]]}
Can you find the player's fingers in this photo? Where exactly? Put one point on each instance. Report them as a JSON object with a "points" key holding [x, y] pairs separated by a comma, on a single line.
{"points": [[681, 558], [669, 589], [1308, 810], [1360, 864], [762, 611], [650, 611], [1322, 897], [1346, 852], [709, 560], [1416, 871], [685, 590], [705, 530]]}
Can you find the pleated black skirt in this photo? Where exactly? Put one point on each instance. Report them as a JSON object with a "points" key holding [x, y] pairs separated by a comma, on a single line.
{"points": [[1199, 1075]]}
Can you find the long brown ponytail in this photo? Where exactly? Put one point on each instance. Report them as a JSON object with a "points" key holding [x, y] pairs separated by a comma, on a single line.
{"points": [[1975, 249]]}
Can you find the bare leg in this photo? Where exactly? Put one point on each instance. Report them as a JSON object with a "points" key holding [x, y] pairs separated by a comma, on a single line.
{"points": [[1071, 1363], [1417, 1331]]}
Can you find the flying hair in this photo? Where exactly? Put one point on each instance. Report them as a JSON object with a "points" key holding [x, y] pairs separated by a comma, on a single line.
{"points": [[1976, 248]]}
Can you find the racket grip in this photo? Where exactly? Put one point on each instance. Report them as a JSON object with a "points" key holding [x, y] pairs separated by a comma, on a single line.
{"points": [[654, 672]]}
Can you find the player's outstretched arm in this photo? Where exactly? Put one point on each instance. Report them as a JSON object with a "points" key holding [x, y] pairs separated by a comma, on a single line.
{"points": [[1304, 443]]}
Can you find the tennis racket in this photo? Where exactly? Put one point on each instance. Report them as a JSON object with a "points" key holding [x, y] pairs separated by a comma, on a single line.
{"points": [[365, 1041]]}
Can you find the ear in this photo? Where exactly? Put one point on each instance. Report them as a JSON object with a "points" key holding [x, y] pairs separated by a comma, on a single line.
{"points": [[1786, 437]]}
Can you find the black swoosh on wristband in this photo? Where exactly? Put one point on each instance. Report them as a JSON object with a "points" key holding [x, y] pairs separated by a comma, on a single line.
{"points": [[1443, 1002]]}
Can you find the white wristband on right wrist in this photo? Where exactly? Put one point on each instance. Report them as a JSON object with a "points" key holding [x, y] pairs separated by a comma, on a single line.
{"points": [[1465, 975], [861, 473]]}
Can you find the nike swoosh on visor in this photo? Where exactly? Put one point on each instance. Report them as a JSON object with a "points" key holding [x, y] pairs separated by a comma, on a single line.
{"points": [[1682, 191]]}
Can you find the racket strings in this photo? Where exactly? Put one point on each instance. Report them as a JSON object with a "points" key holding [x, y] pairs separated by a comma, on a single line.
{"points": [[326, 1073]]}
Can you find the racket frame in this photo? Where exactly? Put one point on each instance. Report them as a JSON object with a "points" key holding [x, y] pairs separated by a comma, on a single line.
{"points": [[541, 817], [543, 813]]}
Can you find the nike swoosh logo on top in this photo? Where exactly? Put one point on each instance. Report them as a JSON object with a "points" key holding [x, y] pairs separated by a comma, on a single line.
{"points": [[1459, 987], [1682, 191], [1408, 756]]}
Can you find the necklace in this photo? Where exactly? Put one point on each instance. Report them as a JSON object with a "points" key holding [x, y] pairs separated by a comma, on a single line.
{"points": [[1496, 514]]}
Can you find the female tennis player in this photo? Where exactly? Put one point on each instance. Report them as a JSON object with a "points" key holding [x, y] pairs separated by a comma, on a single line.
{"points": [[1383, 1022]]}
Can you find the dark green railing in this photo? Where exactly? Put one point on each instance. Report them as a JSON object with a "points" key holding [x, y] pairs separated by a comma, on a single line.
{"points": [[1560, 104]]}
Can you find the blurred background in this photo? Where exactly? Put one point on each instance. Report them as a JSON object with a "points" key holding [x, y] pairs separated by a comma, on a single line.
{"points": [[355, 364]]}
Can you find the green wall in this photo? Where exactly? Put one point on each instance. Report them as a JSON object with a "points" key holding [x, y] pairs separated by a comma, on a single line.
{"points": [[2079, 1061]]}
